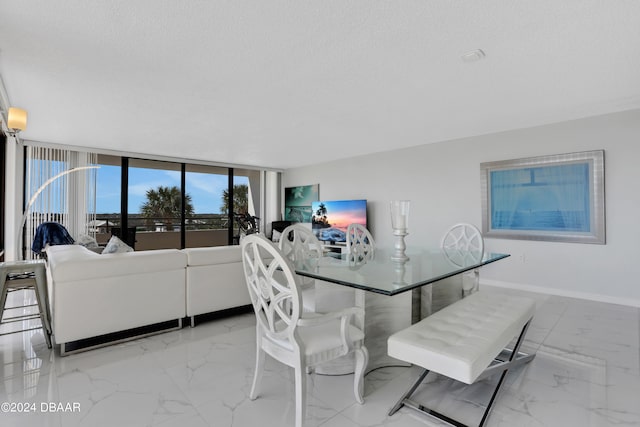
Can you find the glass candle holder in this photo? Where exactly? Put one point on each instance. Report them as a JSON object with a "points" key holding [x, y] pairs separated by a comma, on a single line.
{"points": [[400, 225], [400, 214]]}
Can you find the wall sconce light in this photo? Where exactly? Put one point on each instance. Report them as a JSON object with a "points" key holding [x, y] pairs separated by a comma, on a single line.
{"points": [[16, 120]]}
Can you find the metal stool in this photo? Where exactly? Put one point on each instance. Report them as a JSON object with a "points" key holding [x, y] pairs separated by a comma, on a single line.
{"points": [[21, 275]]}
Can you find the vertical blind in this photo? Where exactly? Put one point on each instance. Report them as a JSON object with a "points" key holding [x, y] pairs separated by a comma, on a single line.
{"points": [[69, 199]]}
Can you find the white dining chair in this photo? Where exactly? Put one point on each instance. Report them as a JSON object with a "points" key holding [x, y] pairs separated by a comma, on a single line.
{"points": [[302, 247], [298, 243], [360, 243], [286, 333], [463, 244]]}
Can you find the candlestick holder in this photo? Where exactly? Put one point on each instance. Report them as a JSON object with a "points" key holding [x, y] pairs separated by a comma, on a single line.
{"points": [[399, 246], [400, 224]]}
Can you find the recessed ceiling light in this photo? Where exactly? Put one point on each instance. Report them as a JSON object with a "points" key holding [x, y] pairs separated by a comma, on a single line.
{"points": [[473, 56]]}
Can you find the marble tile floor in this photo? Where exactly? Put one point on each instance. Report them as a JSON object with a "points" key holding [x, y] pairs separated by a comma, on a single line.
{"points": [[586, 373]]}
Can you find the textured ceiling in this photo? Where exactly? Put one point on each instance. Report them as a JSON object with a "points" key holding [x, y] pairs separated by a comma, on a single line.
{"points": [[283, 83]]}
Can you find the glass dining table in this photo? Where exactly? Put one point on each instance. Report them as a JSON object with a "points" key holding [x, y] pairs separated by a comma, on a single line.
{"points": [[385, 276], [382, 288]]}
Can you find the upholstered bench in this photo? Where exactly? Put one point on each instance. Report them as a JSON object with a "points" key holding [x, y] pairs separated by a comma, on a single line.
{"points": [[465, 341]]}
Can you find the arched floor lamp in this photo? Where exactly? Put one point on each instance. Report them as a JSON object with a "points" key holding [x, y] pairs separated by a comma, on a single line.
{"points": [[35, 196]]}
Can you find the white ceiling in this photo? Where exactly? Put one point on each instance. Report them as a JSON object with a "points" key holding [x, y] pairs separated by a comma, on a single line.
{"points": [[283, 83]]}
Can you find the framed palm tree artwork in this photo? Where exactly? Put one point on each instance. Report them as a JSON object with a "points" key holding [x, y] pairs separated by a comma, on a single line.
{"points": [[297, 202]]}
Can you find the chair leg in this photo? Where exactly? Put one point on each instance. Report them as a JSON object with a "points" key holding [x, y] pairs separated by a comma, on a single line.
{"points": [[46, 328], [362, 358], [3, 300], [259, 369], [301, 393]]}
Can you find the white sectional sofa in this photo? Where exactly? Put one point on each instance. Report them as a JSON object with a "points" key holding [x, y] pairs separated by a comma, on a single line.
{"points": [[92, 295], [215, 280]]}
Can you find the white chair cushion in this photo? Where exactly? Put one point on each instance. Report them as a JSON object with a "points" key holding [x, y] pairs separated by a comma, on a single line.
{"points": [[322, 342], [461, 340]]}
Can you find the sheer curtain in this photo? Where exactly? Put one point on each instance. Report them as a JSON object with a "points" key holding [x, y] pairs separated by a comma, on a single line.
{"points": [[69, 199]]}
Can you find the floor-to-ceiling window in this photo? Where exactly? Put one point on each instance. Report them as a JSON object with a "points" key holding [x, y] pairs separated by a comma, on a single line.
{"points": [[208, 223], [246, 195], [59, 187], [163, 204], [154, 204], [108, 197]]}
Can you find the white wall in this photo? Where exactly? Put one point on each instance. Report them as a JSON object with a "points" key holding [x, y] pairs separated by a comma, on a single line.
{"points": [[443, 182], [13, 171]]}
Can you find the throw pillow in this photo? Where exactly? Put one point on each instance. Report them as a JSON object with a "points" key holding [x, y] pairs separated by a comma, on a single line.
{"points": [[87, 241], [116, 246]]}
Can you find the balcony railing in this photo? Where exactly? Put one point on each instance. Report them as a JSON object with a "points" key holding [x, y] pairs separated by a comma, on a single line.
{"points": [[164, 233], [104, 223]]}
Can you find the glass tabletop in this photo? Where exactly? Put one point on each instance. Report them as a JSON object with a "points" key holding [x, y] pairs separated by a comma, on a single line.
{"points": [[388, 277]]}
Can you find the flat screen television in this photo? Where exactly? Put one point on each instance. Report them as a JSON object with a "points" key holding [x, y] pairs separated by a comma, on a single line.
{"points": [[330, 218]]}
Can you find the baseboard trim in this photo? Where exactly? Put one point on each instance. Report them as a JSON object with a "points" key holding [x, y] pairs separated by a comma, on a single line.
{"points": [[214, 315], [561, 292], [119, 337]]}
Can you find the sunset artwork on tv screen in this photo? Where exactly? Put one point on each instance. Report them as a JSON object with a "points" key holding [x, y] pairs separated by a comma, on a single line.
{"points": [[330, 219]]}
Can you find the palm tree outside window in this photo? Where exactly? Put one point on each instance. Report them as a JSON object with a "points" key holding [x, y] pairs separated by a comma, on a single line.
{"points": [[163, 206]]}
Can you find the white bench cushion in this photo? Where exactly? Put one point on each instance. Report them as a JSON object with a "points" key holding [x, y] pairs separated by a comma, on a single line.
{"points": [[461, 340]]}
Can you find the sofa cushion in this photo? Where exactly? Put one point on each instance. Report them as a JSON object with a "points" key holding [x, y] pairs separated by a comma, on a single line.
{"points": [[74, 262], [65, 253], [213, 255]]}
